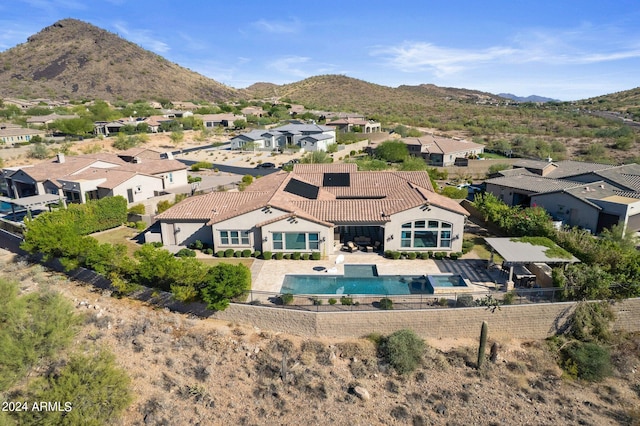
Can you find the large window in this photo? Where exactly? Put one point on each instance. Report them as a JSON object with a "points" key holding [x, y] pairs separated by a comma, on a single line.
{"points": [[425, 234], [234, 238], [297, 241]]}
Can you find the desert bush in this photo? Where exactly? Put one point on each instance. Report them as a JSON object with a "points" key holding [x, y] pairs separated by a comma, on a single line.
{"points": [[286, 256], [424, 255], [465, 301], [286, 298], [403, 350], [347, 301], [237, 253], [316, 255], [332, 301], [246, 253], [386, 303], [588, 361], [279, 255], [256, 254], [196, 245], [201, 165], [32, 327], [94, 386], [266, 255], [229, 252], [220, 253], [439, 255], [208, 251], [412, 255], [509, 298], [295, 255], [305, 256], [455, 255]]}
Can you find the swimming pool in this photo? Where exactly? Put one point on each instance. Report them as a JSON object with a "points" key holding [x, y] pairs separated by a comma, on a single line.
{"points": [[354, 281]]}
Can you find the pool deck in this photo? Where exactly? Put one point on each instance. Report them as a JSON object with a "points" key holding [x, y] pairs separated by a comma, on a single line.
{"points": [[269, 275]]}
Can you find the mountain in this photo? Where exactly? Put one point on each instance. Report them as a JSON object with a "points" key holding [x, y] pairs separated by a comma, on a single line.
{"points": [[74, 59], [410, 104], [531, 98]]}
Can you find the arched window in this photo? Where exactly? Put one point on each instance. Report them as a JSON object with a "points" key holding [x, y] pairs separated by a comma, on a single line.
{"points": [[426, 234]]}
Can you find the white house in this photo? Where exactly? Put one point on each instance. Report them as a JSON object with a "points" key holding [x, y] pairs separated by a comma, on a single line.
{"points": [[310, 137]]}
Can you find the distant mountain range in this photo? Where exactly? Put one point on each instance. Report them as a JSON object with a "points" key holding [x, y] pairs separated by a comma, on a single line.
{"points": [[532, 98], [76, 60]]}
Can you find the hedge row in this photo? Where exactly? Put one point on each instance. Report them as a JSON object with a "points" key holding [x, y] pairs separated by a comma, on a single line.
{"points": [[438, 255]]}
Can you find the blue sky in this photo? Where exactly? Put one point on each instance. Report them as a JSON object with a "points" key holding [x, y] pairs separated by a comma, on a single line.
{"points": [[562, 49]]}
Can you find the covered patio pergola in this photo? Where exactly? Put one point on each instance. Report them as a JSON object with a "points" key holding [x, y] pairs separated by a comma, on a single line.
{"points": [[35, 202], [519, 253]]}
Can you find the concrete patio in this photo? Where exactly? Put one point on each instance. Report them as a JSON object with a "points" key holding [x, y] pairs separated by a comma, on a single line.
{"points": [[269, 275]]}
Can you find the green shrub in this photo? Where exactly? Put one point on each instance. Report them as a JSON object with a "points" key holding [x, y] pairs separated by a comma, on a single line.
{"points": [[137, 209], [388, 254], [455, 255], [316, 255], [256, 254], [223, 283], [316, 301], [267, 255], [295, 255], [465, 301], [412, 255], [186, 252], [305, 256], [467, 246], [395, 255], [347, 301], [201, 165], [208, 251], [279, 255], [237, 253], [197, 245], [246, 253], [443, 301], [220, 253], [403, 350], [439, 255], [386, 304], [94, 385], [509, 298], [229, 252], [287, 256], [424, 255], [332, 301], [140, 225], [587, 361], [286, 298]]}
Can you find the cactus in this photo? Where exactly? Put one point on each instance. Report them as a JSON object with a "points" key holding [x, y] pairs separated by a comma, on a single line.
{"points": [[483, 343]]}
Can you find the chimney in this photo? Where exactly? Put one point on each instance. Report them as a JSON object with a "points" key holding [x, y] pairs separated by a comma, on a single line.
{"points": [[60, 157]]}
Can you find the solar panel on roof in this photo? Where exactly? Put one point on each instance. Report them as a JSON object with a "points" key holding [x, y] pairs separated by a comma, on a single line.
{"points": [[302, 189], [336, 179]]}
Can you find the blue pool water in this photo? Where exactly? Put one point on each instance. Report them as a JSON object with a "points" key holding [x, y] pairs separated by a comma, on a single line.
{"points": [[364, 279]]}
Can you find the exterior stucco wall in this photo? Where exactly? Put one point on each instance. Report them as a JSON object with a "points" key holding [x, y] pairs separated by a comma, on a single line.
{"points": [[245, 222], [298, 225], [147, 184], [179, 178], [185, 233], [570, 210], [392, 230]]}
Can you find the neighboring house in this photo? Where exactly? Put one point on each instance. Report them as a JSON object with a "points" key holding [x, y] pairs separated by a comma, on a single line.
{"points": [[442, 151], [43, 120], [318, 208], [346, 125], [252, 110], [11, 135], [94, 176], [310, 137], [189, 106], [585, 195], [220, 120]]}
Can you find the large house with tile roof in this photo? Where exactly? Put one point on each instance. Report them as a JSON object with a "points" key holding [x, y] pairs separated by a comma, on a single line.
{"points": [[136, 175], [309, 137], [587, 195], [318, 208], [442, 151]]}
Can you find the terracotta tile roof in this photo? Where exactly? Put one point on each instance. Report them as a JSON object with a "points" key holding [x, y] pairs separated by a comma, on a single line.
{"points": [[371, 197], [440, 145], [112, 177]]}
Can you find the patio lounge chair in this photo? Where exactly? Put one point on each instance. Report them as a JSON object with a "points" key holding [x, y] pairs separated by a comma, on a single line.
{"points": [[350, 247]]}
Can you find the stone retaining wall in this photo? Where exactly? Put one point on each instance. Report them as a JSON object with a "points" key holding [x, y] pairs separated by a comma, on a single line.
{"points": [[536, 321]]}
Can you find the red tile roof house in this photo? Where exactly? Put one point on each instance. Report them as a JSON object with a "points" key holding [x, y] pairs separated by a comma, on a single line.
{"points": [[318, 208], [94, 176], [441, 151]]}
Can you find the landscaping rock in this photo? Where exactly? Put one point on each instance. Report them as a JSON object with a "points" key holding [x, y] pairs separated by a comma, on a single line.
{"points": [[362, 393]]}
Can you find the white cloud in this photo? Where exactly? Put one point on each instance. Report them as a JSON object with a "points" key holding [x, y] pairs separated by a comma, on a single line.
{"points": [[143, 38], [278, 27]]}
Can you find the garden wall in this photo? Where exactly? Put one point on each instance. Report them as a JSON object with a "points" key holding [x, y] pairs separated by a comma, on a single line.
{"points": [[536, 321]]}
